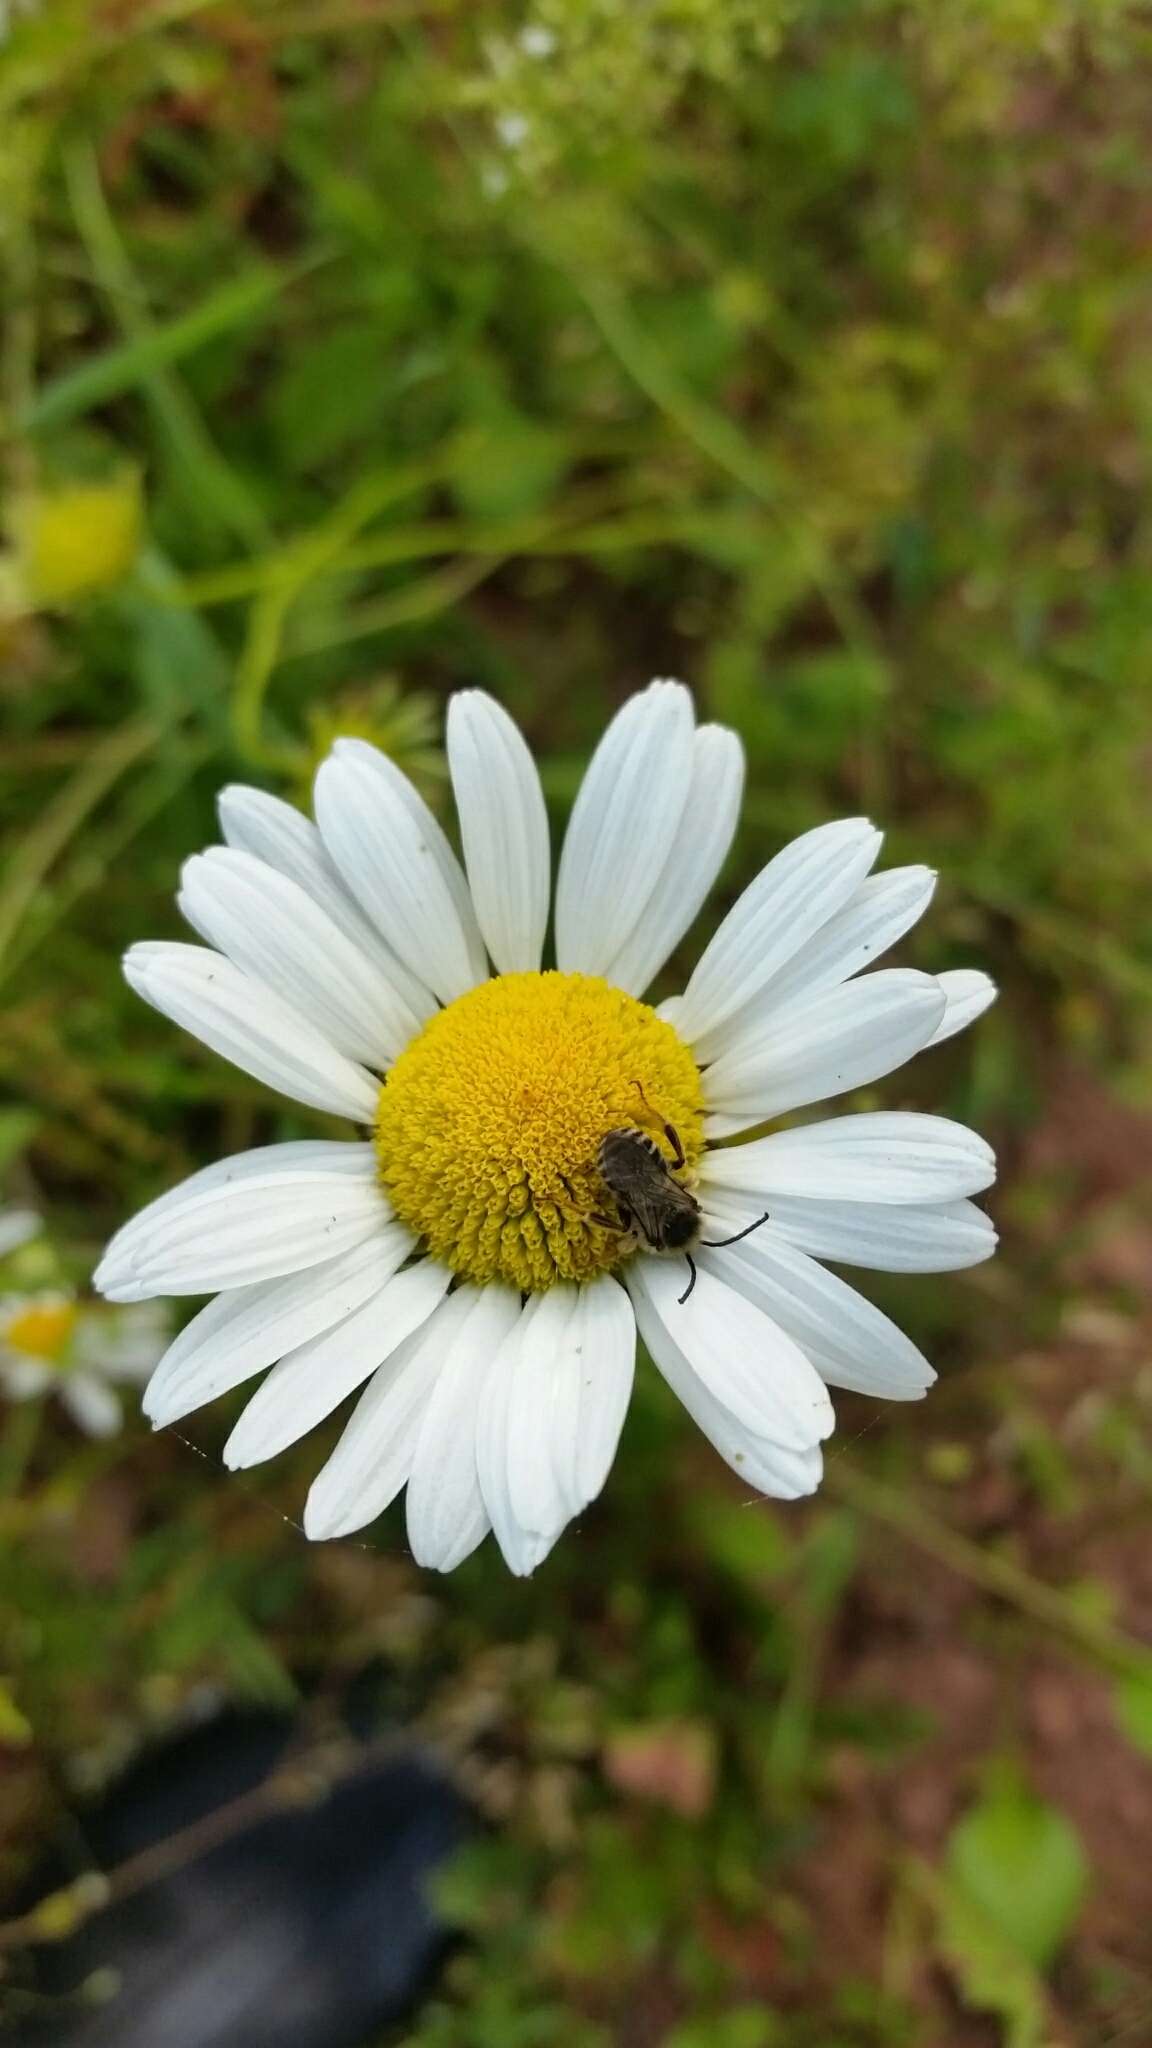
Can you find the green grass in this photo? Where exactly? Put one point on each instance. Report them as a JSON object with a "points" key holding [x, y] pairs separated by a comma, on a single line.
{"points": [[801, 350]]}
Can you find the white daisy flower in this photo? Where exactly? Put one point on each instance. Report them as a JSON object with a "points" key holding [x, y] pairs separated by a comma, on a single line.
{"points": [[480, 1262], [53, 1343]]}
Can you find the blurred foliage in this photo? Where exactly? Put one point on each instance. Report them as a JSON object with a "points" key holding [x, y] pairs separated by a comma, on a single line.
{"points": [[801, 349], [1013, 1882], [1021, 1864]]}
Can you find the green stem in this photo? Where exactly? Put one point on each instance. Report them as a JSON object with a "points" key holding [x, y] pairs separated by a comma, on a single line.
{"points": [[988, 1569], [294, 567], [63, 817], [726, 447], [18, 1442]]}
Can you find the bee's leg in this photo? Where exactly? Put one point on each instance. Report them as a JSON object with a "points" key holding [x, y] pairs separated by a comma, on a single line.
{"points": [[622, 1225], [692, 1282], [717, 1244], [565, 1182], [669, 1130]]}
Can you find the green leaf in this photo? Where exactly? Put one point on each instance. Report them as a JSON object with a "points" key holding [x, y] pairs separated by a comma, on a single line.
{"points": [[746, 1541], [332, 395], [125, 365], [1020, 1861], [989, 1970], [508, 468]]}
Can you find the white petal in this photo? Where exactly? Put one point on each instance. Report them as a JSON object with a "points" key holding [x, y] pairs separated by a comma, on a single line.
{"points": [[890, 1237], [699, 851], [523, 1545], [504, 828], [968, 994], [124, 1344], [883, 908], [395, 859], [243, 1232], [551, 1414], [388, 775], [92, 1405], [849, 1341], [743, 1359], [16, 1227], [313, 1380], [281, 836], [822, 1045], [248, 1025], [24, 1378], [325, 1159], [133, 1363], [241, 1333], [271, 928], [623, 827], [767, 1466], [604, 1370], [880, 1156], [778, 913], [445, 1509], [373, 1458]]}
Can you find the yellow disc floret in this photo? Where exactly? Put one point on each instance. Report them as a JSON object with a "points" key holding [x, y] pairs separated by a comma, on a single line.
{"points": [[42, 1328], [489, 1124]]}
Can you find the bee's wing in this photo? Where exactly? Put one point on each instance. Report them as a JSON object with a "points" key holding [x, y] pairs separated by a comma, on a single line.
{"points": [[656, 1198], [649, 1206]]}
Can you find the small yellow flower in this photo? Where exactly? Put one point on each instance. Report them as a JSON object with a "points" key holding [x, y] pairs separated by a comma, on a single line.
{"points": [[76, 538]]}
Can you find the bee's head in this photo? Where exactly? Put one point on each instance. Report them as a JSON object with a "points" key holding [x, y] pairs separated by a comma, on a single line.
{"points": [[680, 1229]]}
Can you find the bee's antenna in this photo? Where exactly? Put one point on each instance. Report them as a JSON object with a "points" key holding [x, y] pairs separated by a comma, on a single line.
{"points": [[691, 1284], [717, 1244]]}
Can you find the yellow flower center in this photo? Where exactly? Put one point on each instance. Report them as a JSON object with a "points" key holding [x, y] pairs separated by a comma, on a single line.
{"points": [[43, 1329], [490, 1122]]}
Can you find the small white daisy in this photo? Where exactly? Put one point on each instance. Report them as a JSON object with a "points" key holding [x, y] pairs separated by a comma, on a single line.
{"points": [[483, 1260], [53, 1343]]}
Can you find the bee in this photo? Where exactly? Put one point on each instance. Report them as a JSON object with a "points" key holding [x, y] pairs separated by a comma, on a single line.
{"points": [[651, 1204]]}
